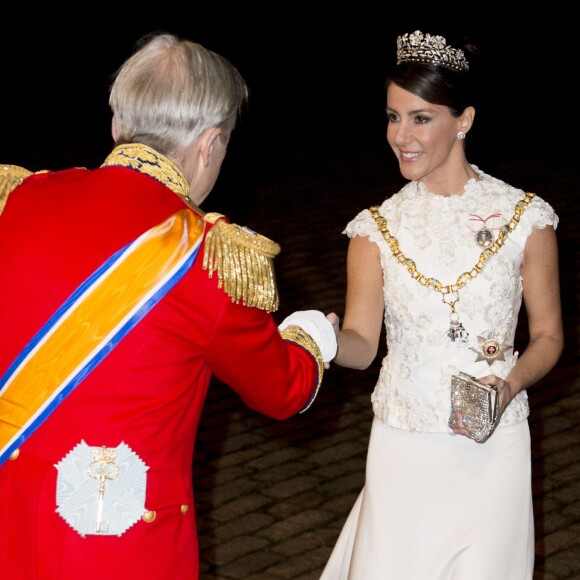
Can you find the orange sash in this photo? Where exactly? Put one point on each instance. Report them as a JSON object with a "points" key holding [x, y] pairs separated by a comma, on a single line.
{"points": [[92, 321]]}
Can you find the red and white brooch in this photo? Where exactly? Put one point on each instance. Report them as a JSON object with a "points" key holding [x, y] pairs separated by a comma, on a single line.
{"points": [[490, 348]]}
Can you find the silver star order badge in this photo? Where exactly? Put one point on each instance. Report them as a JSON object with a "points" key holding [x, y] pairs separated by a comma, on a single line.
{"points": [[490, 348]]}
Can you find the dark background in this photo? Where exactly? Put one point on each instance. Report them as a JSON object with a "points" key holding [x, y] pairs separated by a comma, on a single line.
{"points": [[308, 154], [316, 82]]}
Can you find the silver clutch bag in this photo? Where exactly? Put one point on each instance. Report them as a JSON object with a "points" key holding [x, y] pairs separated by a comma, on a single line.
{"points": [[478, 403]]}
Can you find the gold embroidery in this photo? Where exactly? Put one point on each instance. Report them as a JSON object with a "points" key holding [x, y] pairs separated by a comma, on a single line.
{"points": [[11, 176], [301, 337], [146, 160]]}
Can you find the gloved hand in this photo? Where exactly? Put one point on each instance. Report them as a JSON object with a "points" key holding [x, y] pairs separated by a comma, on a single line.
{"points": [[318, 327]]}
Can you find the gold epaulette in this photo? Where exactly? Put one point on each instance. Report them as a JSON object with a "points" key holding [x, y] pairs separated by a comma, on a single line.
{"points": [[244, 262], [11, 176]]}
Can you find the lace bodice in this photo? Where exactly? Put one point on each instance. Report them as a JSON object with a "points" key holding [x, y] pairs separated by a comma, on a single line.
{"points": [[439, 234]]}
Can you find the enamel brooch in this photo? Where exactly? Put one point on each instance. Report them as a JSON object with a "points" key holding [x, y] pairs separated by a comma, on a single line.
{"points": [[490, 348]]}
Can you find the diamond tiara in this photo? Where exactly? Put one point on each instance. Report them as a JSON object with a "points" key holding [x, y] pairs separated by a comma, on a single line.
{"points": [[421, 47]]}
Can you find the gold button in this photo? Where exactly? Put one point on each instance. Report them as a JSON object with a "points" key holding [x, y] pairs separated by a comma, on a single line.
{"points": [[14, 455], [149, 516], [184, 509]]}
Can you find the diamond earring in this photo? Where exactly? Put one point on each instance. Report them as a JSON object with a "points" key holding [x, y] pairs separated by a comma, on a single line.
{"points": [[461, 135]]}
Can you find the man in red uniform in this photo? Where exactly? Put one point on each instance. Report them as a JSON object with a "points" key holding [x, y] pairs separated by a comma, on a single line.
{"points": [[120, 300]]}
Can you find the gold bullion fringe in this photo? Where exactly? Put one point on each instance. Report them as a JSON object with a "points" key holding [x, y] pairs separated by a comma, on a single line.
{"points": [[244, 262]]}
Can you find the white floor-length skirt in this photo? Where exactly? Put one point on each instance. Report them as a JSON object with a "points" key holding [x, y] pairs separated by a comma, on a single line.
{"points": [[438, 506]]}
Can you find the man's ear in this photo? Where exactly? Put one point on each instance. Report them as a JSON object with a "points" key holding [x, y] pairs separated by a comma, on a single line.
{"points": [[207, 141], [114, 129]]}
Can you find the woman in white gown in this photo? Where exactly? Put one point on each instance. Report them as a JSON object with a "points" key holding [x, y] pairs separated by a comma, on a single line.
{"points": [[457, 253]]}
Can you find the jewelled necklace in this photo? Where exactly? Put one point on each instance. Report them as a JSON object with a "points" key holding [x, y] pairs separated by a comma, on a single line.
{"points": [[450, 292]]}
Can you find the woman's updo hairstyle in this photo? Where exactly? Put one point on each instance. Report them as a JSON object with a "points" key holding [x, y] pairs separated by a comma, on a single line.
{"points": [[437, 72]]}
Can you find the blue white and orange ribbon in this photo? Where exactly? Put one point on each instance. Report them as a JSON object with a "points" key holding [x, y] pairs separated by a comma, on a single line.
{"points": [[92, 321]]}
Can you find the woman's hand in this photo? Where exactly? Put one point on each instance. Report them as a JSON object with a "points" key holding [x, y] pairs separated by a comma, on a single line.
{"points": [[506, 395], [335, 321], [504, 389]]}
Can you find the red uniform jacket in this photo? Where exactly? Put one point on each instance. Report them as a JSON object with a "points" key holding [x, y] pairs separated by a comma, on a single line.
{"points": [[148, 393]]}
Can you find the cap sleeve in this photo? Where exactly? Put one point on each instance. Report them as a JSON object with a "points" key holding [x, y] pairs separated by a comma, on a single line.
{"points": [[539, 215]]}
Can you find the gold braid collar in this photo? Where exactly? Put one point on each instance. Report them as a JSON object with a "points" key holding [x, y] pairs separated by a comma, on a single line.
{"points": [[11, 176], [244, 262], [148, 161]]}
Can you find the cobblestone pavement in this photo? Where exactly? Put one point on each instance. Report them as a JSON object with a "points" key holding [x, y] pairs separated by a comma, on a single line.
{"points": [[273, 496]]}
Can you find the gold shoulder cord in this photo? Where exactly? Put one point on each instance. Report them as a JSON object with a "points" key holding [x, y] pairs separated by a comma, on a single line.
{"points": [[11, 176], [244, 262]]}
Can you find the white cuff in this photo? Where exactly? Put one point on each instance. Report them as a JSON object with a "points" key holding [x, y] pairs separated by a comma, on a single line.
{"points": [[318, 327]]}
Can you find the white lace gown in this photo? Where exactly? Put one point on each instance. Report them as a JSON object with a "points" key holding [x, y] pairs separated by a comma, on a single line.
{"points": [[439, 506]]}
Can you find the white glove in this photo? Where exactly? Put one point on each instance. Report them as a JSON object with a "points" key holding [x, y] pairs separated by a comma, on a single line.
{"points": [[318, 327]]}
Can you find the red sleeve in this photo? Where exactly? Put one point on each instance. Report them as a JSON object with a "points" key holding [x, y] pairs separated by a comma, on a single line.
{"points": [[273, 376]]}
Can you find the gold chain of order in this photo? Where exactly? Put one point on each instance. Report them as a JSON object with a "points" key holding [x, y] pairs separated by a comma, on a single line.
{"points": [[449, 292]]}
